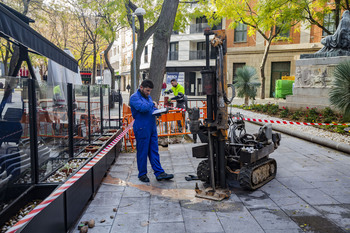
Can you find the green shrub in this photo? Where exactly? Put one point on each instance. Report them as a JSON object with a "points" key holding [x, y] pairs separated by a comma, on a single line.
{"points": [[339, 94], [328, 112], [256, 107], [297, 115], [273, 109], [284, 113], [312, 115], [311, 118], [265, 107]]}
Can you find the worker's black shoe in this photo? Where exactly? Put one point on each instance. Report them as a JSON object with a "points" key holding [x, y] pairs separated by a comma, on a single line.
{"points": [[144, 178], [165, 176]]}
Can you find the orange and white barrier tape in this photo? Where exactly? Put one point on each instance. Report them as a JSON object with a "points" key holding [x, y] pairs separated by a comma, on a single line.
{"points": [[286, 122], [179, 109], [68, 183]]}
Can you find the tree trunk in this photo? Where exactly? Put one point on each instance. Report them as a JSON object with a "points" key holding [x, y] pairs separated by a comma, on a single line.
{"points": [[111, 69], [347, 7], [246, 100], [25, 6], [161, 40], [141, 42], [14, 59], [262, 68], [93, 78], [7, 54]]}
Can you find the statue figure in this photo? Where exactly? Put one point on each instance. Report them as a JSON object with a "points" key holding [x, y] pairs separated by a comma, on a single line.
{"points": [[339, 43]]}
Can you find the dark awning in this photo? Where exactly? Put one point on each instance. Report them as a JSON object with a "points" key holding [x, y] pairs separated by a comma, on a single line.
{"points": [[15, 28]]}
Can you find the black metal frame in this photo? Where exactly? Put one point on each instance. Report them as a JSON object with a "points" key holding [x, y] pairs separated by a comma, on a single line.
{"points": [[101, 108], [70, 120], [89, 115]]}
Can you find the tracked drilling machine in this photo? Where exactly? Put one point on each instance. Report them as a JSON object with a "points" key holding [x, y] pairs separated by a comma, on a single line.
{"points": [[230, 153]]}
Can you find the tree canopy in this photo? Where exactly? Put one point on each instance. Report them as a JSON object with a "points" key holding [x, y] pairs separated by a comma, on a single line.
{"points": [[271, 19]]}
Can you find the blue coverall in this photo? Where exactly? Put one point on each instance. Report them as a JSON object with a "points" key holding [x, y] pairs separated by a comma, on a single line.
{"points": [[145, 131]]}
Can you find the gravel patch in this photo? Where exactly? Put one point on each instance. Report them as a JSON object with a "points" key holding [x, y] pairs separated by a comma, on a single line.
{"points": [[298, 128]]}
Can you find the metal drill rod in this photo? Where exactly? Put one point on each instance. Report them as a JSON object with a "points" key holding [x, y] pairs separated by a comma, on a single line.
{"points": [[211, 161]]}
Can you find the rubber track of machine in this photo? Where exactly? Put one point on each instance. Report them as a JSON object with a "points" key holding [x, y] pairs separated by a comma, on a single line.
{"points": [[203, 171], [245, 180], [245, 175]]}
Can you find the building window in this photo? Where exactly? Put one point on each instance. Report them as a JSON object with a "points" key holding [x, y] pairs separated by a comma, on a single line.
{"points": [[282, 33], [202, 19], [146, 54], [329, 23], [201, 24], [200, 46], [235, 67], [173, 51], [200, 53], [241, 33]]}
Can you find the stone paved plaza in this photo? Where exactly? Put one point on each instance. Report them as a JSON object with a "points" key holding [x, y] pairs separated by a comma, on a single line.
{"points": [[311, 193]]}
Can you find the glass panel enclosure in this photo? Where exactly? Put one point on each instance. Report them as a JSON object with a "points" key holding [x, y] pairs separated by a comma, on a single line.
{"points": [[52, 126], [95, 111], [80, 117], [105, 98], [20, 154], [15, 159]]}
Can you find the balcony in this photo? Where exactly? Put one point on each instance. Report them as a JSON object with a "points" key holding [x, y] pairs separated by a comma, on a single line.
{"points": [[173, 56], [199, 27], [200, 54]]}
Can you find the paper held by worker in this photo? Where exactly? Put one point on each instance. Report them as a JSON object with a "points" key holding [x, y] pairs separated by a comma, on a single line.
{"points": [[160, 111]]}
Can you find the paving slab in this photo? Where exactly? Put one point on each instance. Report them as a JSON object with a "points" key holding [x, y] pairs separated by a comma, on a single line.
{"points": [[311, 193], [201, 221], [130, 222], [167, 227], [134, 205]]}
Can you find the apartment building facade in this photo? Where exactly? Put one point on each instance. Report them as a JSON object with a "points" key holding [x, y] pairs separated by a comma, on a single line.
{"points": [[186, 56], [120, 56], [244, 50]]}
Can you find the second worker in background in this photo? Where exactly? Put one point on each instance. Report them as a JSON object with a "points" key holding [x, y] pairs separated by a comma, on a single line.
{"points": [[179, 96]]}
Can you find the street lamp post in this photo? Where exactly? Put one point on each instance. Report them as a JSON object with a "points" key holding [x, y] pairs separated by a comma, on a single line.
{"points": [[138, 12]]}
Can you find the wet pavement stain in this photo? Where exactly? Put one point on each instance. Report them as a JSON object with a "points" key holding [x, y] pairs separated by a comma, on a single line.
{"points": [[177, 194], [317, 224], [186, 196], [223, 206]]}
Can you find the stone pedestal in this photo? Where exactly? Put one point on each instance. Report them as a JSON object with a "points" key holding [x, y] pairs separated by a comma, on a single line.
{"points": [[313, 78]]}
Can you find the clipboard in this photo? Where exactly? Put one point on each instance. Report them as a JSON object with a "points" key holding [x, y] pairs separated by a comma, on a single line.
{"points": [[160, 111]]}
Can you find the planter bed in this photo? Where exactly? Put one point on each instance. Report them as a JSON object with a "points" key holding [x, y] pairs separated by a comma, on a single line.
{"points": [[61, 214], [51, 219], [76, 198], [67, 170]]}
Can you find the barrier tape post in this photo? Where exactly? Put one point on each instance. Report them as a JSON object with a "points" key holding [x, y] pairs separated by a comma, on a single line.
{"points": [[67, 184]]}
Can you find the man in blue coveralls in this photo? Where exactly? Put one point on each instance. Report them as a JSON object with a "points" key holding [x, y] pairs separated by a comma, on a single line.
{"points": [[145, 131]]}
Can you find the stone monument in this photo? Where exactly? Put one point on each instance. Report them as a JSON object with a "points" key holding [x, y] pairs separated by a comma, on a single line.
{"points": [[314, 72]]}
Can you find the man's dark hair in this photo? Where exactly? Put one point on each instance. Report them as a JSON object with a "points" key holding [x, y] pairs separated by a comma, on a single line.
{"points": [[173, 80], [147, 83]]}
